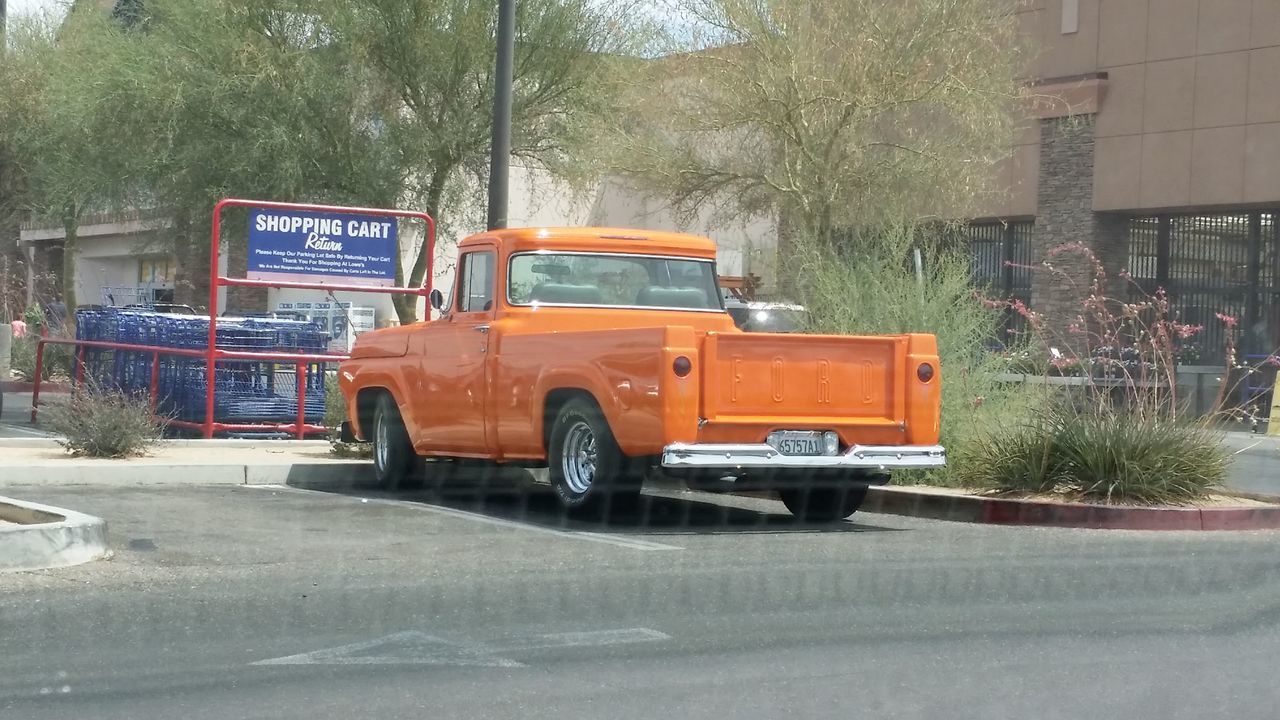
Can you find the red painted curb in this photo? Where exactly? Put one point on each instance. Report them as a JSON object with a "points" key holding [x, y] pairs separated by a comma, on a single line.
{"points": [[899, 500], [11, 386]]}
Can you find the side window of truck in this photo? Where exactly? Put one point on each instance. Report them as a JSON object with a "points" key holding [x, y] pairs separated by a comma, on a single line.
{"points": [[475, 292]]}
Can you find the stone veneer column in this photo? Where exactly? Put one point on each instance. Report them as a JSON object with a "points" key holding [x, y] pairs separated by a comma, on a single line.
{"points": [[1065, 215]]}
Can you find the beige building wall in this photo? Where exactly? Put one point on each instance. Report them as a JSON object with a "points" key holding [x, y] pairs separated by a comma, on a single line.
{"points": [[108, 254], [1188, 105], [1192, 114]]}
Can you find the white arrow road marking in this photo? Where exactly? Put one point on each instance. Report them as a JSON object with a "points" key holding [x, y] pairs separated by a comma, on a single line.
{"points": [[417, 648], [405, 648]]}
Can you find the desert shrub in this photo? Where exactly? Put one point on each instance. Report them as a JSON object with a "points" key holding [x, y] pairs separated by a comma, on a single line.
{"points": [[101, 421], [59, 360], [1121, 434], [335, 410], [335, 413], [869, 285], [1126, 349], [1100, 454]]}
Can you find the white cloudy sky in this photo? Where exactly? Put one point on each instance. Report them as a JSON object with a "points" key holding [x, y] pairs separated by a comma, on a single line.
{"points": [[668, 11], [24, 7]]}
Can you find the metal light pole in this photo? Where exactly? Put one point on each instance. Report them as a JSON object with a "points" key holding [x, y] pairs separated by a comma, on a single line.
{"points": [[500, 152]]}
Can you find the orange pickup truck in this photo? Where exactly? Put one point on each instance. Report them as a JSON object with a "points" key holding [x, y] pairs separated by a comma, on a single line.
{"points": [[603, 354]]}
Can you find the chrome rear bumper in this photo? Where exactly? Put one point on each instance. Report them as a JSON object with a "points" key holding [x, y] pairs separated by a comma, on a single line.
{"points": [[746, 455]]}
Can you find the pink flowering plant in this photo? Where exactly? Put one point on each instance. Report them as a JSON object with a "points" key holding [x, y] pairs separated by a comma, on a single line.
{"points": [[1128, 350], [1114, 434]]}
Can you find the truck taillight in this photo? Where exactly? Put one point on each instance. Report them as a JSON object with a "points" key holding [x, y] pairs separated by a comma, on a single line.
{"points": [[924, 372], [682, 366]]}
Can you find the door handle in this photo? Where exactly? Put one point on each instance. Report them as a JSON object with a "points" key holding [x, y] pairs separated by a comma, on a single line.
{"points": [[482, 328]]}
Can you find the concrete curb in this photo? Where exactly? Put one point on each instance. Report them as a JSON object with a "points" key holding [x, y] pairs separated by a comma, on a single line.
{"points": [[52, 443], [124, 473], [896, 500], [91, 471], [56, 538]]}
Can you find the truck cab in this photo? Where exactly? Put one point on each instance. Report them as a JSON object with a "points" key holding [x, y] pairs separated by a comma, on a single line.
{"points": [[602, 353]]}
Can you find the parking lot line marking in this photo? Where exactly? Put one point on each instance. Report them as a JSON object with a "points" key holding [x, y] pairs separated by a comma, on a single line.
{"points": [[590, 638], [405, 648], [418, 648], [33, 433], [587, 535]]}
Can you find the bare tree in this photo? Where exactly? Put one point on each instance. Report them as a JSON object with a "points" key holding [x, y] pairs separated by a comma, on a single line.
{"points": [[833, 115]]}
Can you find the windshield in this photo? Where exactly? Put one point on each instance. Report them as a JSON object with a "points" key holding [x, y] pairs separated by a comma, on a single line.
{"points": [[602, 280], [773, 320]]}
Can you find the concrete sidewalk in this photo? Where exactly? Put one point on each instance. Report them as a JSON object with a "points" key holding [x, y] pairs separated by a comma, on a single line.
{"points": [[30, 461]]}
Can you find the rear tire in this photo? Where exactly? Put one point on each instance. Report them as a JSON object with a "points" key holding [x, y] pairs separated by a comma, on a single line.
{"points": [[824, 504], [395, 464], [589, 473]]}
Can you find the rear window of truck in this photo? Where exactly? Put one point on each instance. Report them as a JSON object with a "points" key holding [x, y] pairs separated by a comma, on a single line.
{"points": [[612, 280]]}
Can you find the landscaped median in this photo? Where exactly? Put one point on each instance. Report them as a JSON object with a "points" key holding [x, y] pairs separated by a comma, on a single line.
{"points": [[1223, 511]]}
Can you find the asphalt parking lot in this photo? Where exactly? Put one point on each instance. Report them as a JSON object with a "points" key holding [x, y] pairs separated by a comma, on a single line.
{"points": [[230, 602], [15, 417]]}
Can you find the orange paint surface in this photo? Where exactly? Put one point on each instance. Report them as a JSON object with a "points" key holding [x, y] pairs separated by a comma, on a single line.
{"points": [[478, 381]]}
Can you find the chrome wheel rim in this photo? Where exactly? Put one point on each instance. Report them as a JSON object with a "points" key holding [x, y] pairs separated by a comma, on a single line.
{"points": [[578, 459], [382, 442]]}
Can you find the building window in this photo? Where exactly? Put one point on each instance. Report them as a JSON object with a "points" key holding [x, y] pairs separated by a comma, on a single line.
{"points": [[1213, 264], [1000, 260], [155, 271], [1070, 16]]}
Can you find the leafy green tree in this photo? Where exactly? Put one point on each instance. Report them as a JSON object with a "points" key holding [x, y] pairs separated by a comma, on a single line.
{"points": [[247, 99], [64, 156], [369, 102], [435, 60]]}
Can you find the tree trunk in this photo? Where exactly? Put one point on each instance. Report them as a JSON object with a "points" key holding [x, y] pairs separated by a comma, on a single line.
{"points": [[191, 253], [70, 227], [407, 305]]}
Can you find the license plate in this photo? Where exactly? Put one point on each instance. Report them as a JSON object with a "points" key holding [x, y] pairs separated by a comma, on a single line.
{"points": [[797, 442]]}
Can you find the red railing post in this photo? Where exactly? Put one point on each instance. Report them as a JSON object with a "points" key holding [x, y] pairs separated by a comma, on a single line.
{"points": [[35, 384], [212, 354], [301, 367], [79, 374], [155, 381], [211, 351]]}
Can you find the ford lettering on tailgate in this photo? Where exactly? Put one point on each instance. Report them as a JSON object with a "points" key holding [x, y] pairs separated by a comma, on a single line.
{"points": [[757, 375]]}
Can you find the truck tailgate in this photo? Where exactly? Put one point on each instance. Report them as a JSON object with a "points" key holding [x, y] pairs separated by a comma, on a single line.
{"points": [[803, 380]]}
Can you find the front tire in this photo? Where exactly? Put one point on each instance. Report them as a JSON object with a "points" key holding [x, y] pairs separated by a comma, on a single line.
{"points": [[824, 504], [394, 461], [588, 471]]}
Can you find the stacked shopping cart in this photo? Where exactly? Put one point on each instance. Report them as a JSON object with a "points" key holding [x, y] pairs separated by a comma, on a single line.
{"points": [[245, 391]]}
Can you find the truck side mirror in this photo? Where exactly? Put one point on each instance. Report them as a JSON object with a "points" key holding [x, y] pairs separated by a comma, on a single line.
{"points": [[437, 300]]}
